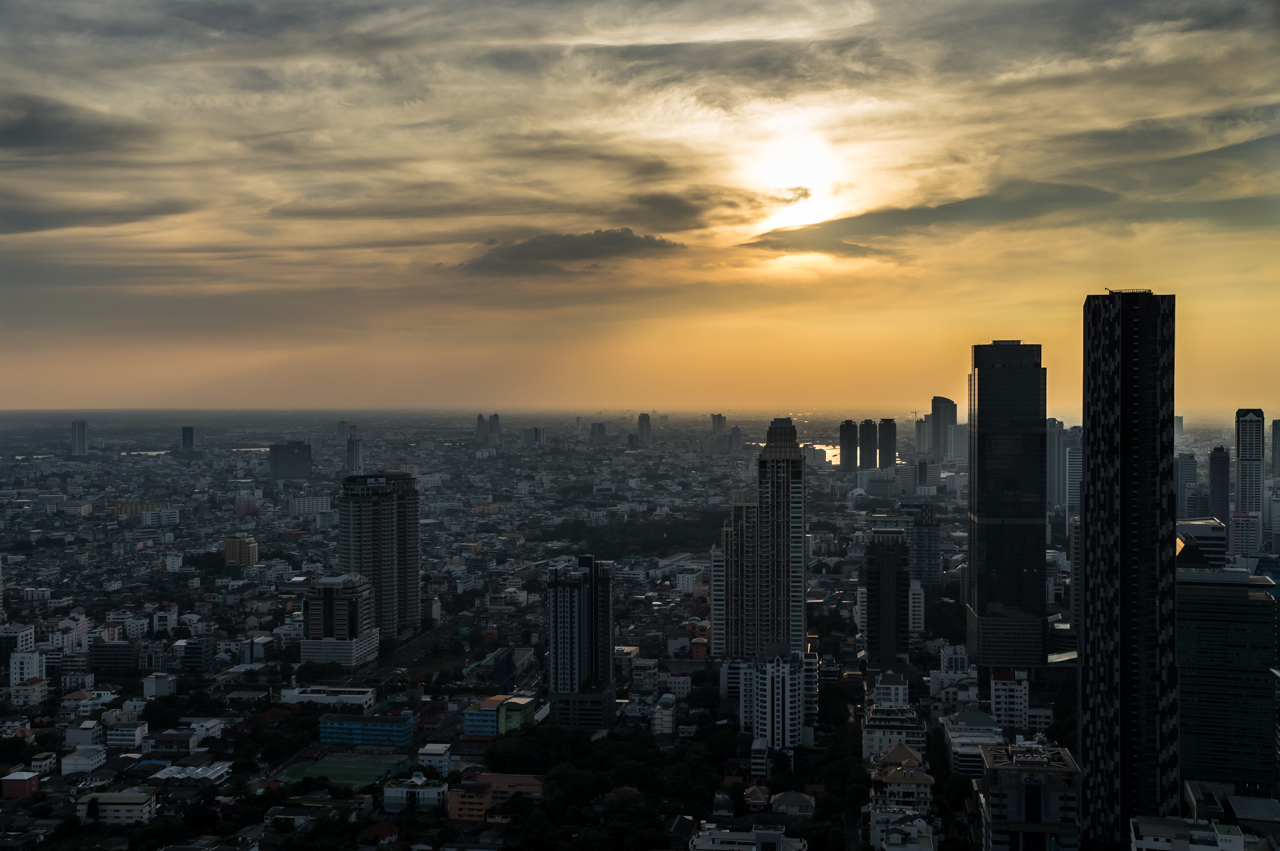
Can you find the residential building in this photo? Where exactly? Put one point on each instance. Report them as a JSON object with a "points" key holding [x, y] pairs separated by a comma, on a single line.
{"points": [[778, 700], [388, 731], [758, 572], [304, 506], [159, 685], [127, 735], [897, 829], [886, 580], [1010, 699], [1029, 798], [20, 784], [435, 755], [415, 793], [580, 658], [378, 538], [664, 716], [965, 734], [86, 759], [25, 666], [759, 837], [900, 778], [338, 622], [1006, 597], [240, 551], [1226, 645], [886, 727], [1128, 665], [117, 808]]}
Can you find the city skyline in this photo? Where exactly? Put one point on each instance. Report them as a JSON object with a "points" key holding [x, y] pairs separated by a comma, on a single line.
{"points": [[407, 204]]}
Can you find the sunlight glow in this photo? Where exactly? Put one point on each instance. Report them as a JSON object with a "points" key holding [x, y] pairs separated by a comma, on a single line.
{"points": [[794, 164]]}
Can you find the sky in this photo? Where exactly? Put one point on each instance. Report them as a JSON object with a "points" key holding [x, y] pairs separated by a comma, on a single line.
{"points": [[648, 205]]}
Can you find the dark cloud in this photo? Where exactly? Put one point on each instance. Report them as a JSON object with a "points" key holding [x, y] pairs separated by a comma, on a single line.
{"points": [[701, 206], [43, 126], [542, 254], [1215, 169], [1009, 204], [22, 214]]}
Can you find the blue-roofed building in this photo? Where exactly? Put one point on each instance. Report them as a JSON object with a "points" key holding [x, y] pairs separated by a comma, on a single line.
{"points": [[389, 731]]}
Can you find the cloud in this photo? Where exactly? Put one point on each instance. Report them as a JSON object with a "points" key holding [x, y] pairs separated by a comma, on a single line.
{"points": [[23, 214], [42, 126], [542, 254]]}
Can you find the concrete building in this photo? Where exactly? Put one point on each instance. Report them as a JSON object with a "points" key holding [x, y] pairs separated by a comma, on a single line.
{"points": [[435, 755], [363, 699], [965, 734], [848, 446], [416, 793], [79, 438], [942, 417], [886, 582], [338, 622], [778, 700], [1029, 798], [1010, 693], [159, 685], [117, 808], [86, 758], [389, 731], [240, 551], [378, 538], [886, 727], [1250, 451], [715, 837], [580, 657]]}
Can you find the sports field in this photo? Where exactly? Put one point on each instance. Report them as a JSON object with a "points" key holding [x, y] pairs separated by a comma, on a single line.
{"points": [[350, 769]]}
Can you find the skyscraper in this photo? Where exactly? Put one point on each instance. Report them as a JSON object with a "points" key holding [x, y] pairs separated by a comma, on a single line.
{"points": [[1006, 609], [1275, 455], [1226, 688], [757, 581], [888, 444], [378, 538], [1128, 673], [495, 427], [867, 441], [848, 446], [942, 417], [1250, 449], [79, 438], [1186, 481], [718, 422], [599, 435], [1220, 484], [887, 579], [290, 460], [355, 455], [344, 431], [580, 658], [1055, 463], [482, 429], [188, 439], [644, 432]]}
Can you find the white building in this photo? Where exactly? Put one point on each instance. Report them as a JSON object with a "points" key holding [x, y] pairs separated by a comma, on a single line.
{"points": [[159, 685], [417, 793], [435, 756], [1010, 693], [364, 698], [713, 837], [128, 736], [885, 727], [644, 676], [1148, 833], [85, 759], [26, 666], [965, 733], [778, 700], [891, 690], [118, 807], [301, 506], [897, 829], [664, 715]]}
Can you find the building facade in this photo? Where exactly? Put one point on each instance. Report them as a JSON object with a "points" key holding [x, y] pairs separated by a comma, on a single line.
{"points": [[868, 445], [580, 662], [338, 622], [848, 446], [1030, 799], [1128, 665], [378, 538], [887, 580], [290, 460]]}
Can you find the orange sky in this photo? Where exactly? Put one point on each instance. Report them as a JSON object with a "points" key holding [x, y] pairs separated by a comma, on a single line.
{"points": [[658, 205]]}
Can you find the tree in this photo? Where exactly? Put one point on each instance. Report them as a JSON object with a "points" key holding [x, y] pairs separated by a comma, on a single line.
{"points": [[93, 810]]}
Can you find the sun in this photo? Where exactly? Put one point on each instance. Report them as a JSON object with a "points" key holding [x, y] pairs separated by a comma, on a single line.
{"points": [[800, 165]]}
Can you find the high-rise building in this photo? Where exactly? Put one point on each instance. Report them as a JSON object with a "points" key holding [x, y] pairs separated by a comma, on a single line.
{"points": [[1250, 450], [1226, 686], [1128, 665], [1220, 484], [378, 538], [848, 446], [338, 622], [887, 579], [736, 441], [1177, 428], [888, 444], [1186, 481], [1055, 463], [240, 551], [599, 435], [290, 460], [1275, 454], [778, 699], [355, 455], [758, 572], [495, 426], [942, 417], [717, 423], [1073, 467], [867, 445], [644, 432], [188, 439], [580, 658], [345, 430], [1006, 605], [79, 438], [482, 429], [1032, 796], [924, 436]]}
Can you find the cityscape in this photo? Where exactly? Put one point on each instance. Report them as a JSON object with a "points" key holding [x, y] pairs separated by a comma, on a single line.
{"points": [[649, 630], [511, 425]]}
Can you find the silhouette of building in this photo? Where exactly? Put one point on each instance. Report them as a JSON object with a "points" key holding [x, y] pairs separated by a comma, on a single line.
{"points": [[1250, 451], [1055, 492], [867, 445], [848, 446], [758, 572], [1127, 655], [888, 441], [1186, 482], [887, 578], [495, 427], [599, 435], [1220, 484], [942, 417], [79, 438], [644, 432], [188, 442], [1006, 605], [290, 460], [1275, 455], [482, 429], [345, 430], [378, 538], [718, 422], [580, 658], [355, 455]]}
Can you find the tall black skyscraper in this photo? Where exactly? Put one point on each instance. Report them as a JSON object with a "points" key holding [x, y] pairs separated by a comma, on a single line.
{"points": [[1128, 664], [1006, 605], [867, 445], [848, 445], [188, 438], [888, 444], [1220, 484], [482, 429], [1275, 441], [887, 578], [1055, 463], [942, 418], [580, 658], [79, 438], [644, 431], [378, 538]]}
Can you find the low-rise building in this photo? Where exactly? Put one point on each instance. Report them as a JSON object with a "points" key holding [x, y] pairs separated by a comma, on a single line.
{"points": [[416, 793], [1010, 699], [117, 807], [902, 780], [128, 735], [965, 733], [1148, 833], [716, 837], [85, 759], [886, 727], [388, 731], [20, 784], [435, 756], [897, 829], [364, 698]]}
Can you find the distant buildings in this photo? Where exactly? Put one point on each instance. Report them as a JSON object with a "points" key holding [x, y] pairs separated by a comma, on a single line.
{"points": [[758, 573], [888, 442], [580, 653], [848, 446], [1006, 596], [887, 580], [1128, 674], [79, 438], [1250, 449], [355, 455], [290, 461], [942, 417], [188, 439], [867, 445], [644, 431], [378, 538], [1220, 484]]}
